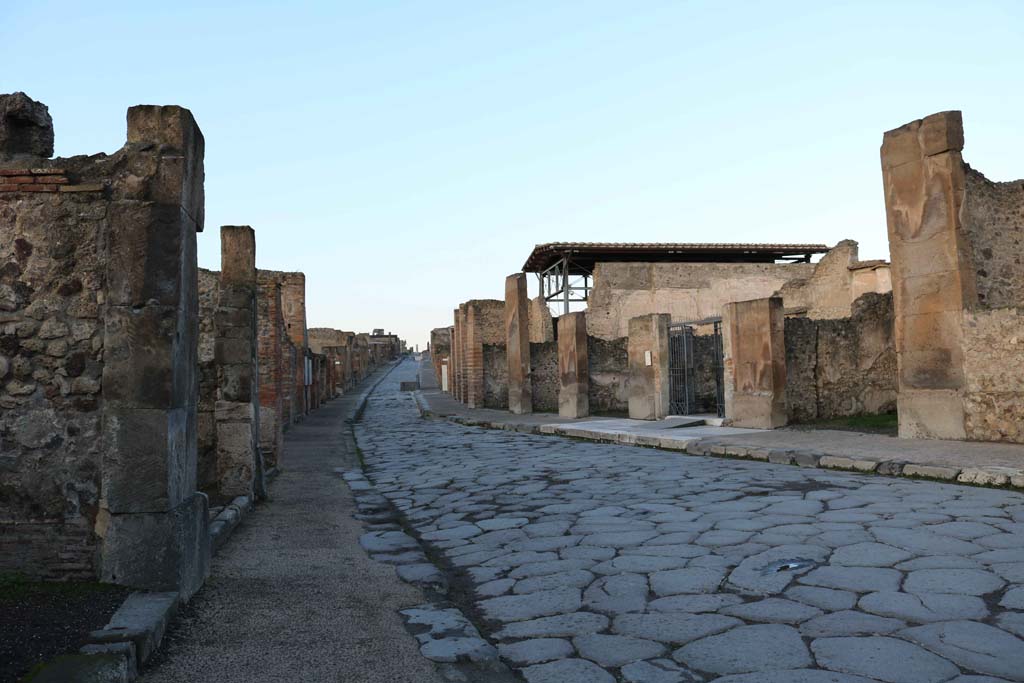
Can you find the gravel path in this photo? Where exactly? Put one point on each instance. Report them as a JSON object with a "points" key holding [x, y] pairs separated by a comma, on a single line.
{"points": [[292, 596], [596, 563]]}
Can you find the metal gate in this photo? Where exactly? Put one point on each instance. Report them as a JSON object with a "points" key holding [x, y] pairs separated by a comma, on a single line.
{"points": [[695, 369]]}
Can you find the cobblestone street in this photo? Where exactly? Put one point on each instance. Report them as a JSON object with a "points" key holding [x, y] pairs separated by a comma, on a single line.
{"points": [[593, 562]]}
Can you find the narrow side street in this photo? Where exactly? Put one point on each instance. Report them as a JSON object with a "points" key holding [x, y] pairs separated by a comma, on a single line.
{"points": [[597, 563], [292, 596]]}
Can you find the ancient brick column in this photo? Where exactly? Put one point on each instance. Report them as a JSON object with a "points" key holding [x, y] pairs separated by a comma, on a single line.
{"points": [[457, 348], [473, 372], [239, 465], [648, 366], [154, 524], [755, 363], [933, 277], [271, 366], [293, 306], [517, 344], [573, 366]]}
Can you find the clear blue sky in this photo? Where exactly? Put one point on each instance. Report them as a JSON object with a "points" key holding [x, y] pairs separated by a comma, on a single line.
{"points": [[407, 156]]}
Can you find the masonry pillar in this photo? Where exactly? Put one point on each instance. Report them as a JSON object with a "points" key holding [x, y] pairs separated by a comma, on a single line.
{"points": [[648, 366], [755, 363], [474, 356], [932, 272], [153, 523], [573, 366], [239, 462], [270, 363], [517, 344]]}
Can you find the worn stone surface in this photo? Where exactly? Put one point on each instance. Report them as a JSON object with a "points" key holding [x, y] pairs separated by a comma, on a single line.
{"points": [[739, 564]]}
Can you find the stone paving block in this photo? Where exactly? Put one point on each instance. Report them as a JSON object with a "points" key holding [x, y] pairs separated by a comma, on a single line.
{"points": [[614, 651], [960, 581], [617, 594], [924, 608], [562, 625], [672, 627], [695, 603], [868, 555], [567, 671], [974, 646], [747, 648], [883, 658], [536, 651], [849, 623], [827, 599], [574, 578], [692, 580], [659, 671], [774, 610], [855, 579], [931, 471]]}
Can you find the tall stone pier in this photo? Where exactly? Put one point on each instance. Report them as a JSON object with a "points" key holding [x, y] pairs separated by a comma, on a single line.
{"points": [[755, 363], [648, 366], [573, 366], [517, 344], [237, 412]]}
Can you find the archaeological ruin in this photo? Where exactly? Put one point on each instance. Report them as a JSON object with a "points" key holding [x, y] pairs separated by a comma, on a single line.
{"points": [[759, 335], [138, 391]]}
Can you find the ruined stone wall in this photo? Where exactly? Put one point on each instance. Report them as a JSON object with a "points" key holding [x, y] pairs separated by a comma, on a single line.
{"points": [[994, 227], [495, 377], [838, 279], [686, 291], [609, 375], [542, 325], [209, 300], [842, 367], [440, 350], [993, 346], [544, 376], [98, 353]]}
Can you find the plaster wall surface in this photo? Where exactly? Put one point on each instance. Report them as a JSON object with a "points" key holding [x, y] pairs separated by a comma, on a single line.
{"points": [[686, 291]]}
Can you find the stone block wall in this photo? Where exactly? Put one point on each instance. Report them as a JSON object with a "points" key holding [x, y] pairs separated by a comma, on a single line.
{"points": [[478, 322], [98, 356], [958, 286], [648, 366], [842, 367], [838, 280], [608, 362]]}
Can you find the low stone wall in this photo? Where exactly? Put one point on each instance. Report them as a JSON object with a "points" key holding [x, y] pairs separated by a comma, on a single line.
{"points": [[844, 366], [544, 376], [609, 375], [994, 373], [495, 377]]}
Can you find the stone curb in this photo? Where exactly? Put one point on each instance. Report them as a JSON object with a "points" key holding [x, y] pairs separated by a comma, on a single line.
{"points": [[227, 520], [991, 477], [116, 653]]}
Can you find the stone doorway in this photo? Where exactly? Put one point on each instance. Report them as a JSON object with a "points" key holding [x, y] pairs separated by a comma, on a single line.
{"points": [[695, 368]]}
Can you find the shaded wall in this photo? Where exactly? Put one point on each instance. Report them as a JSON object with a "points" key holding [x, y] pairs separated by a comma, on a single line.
{"points": [[544, 376], [609, 375], [844, 366], [495, 376]]}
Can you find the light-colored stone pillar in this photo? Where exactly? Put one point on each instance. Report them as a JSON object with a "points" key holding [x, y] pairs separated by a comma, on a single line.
{"points": [[933, 277], [239, 463], [648, 366], [753, 342], [573, 366], [517, 344]]}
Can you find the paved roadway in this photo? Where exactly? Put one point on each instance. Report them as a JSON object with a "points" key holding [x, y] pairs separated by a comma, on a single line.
{"points": [[595, 563]]}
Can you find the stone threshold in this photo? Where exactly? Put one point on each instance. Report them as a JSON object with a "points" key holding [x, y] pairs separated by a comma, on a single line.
{"points": [[990, 476]]}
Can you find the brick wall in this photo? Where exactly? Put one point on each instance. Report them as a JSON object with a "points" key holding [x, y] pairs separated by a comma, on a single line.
{"points": [[270, 334]]}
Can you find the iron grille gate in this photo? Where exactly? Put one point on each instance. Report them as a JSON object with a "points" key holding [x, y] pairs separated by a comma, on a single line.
{"points": [[695, 370]]}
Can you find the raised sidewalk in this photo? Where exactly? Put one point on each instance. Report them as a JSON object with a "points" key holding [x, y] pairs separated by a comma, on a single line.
{"points": [[967, 462]]}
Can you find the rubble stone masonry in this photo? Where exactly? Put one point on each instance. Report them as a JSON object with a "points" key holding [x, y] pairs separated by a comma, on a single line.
{"points": [[98, 353], [272, 344]]}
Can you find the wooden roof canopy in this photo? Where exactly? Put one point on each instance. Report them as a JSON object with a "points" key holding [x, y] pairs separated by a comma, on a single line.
{"points": [[583, 255]]}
